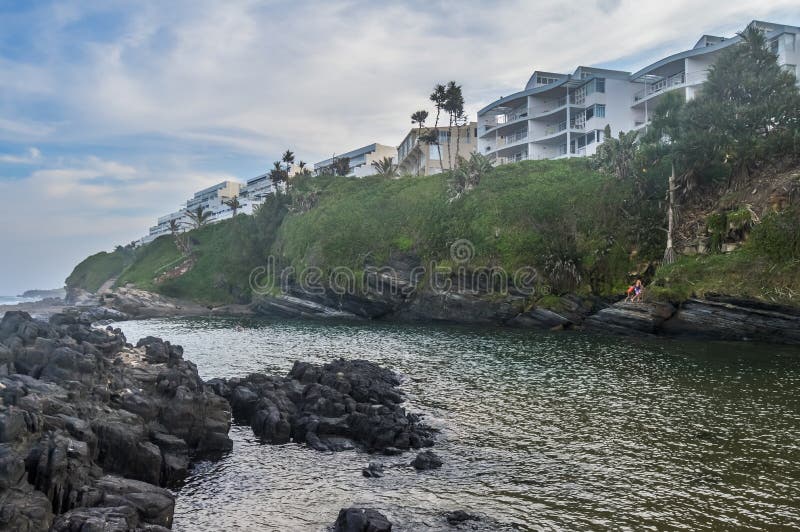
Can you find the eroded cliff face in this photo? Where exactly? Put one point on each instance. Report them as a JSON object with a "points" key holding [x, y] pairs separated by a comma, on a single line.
{"points": [[92, 429]]}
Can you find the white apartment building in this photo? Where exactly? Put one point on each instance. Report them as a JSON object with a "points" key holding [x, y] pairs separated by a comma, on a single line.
{"points": [[564, 115], [361, 159], [211, 199]]}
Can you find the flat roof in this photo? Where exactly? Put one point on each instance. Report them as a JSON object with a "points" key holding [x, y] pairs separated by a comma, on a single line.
{"points": [[352, 154]]}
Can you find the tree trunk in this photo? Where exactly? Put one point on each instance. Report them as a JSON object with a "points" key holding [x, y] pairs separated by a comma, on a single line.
{"points": [[669, 253], [438, 144], [458, 139], [450, 144]]}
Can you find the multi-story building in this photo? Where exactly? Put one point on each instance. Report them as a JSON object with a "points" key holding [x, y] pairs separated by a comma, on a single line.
{"points": [[211, 199], [564, 115], [360, 160], [419, 158]]}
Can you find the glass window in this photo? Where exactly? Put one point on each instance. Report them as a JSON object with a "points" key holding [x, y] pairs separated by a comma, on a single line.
{"points": [[600, 84], [433, 152], [590, 113], [599, 111], [444, 137]]}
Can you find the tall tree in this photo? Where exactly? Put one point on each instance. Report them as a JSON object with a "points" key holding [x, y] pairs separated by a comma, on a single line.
{"points": [[659, 144], [439, 98], [199, 216], [454, 106], [277, 175], [341, 166], [385, 167], [419, 118], [748, 110], [234, 204], [288, 160]]}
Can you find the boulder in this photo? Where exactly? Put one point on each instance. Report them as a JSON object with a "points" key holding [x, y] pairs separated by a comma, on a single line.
{"points": [[373, 470], [426, 460], [329, 407], [361, 520]]}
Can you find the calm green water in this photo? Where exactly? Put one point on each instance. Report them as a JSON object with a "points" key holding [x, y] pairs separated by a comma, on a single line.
{"points": [[538, 431]]}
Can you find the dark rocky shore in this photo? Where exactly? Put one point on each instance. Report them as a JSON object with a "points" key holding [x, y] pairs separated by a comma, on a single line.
{"points": [[331, 407], [93, 430]]}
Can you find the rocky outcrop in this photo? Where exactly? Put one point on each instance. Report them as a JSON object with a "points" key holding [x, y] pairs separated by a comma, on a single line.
{"points": [[143, 304], [361, 520], [426, 460], [330, 407], [726, 318], [714, 318], [631, 318], [91, 427]]}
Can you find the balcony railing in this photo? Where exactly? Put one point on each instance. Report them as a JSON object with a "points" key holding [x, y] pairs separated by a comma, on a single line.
{"points": [[660, 86], [561, 126], [516, 114], [511, 139]]}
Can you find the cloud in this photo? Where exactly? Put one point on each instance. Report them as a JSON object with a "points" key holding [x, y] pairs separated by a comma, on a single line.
{"points": [[134, 105], [32, 156]]}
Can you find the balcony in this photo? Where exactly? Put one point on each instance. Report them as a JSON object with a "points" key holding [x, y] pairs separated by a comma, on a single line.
{"points": [[554, 129], [660, 86], [513, 139]]}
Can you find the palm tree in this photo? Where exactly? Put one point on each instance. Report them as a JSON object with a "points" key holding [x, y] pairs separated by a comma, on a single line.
{"points": [[341, 166], [234, 204], [181, 242], [199, 216], [419, 118], [454, 106], [385, 167], [288, 159], [277, 175], [438, 97]]}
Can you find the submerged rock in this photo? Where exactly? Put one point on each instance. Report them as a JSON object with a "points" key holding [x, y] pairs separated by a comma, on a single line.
{"points": [[327, 407], [459, 516], [90, 427], [361, 520], [373, 470], [427, 460]]}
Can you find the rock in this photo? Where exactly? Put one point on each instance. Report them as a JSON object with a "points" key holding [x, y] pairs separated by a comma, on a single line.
{"points": [[361, 520], [328, 407], [631, 318], [540, 318], [725, 318], [83, 410], [373, 470], [459, 516], [426, 460]]}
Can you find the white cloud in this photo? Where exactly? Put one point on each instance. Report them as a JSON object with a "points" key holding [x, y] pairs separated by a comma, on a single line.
{"points": [[32, 156], [175, 86]]}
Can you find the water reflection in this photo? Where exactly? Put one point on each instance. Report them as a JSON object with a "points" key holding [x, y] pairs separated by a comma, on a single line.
{"points": [[539, 430]]}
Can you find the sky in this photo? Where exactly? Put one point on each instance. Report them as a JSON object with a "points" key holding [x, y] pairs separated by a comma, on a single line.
{"points": [[114, 112]]}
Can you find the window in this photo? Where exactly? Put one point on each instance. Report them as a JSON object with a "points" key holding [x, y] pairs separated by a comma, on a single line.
{"points": [[476, 132], [600, 111], [590, 138], [773, 46], [600, 85], [545, 80], [433, 152], [444, 137]]}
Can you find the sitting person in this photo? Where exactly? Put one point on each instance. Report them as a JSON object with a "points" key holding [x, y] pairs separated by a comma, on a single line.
{"points": [[638, 291]]}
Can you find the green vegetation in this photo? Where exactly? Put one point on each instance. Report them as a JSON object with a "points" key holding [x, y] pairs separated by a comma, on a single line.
{"points": [[585, 226], [95, 270]]}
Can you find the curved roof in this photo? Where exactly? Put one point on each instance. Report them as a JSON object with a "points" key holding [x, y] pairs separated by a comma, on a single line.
{"points": [[523, 93], [683, 55]]}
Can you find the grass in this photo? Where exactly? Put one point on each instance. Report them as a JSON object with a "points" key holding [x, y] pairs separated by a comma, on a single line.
{"points": [[95, 270], [540, 214]]}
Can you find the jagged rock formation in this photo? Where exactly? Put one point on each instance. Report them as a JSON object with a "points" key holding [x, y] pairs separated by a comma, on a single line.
{"points": [[330, 407], [91, 427], [361, 520]]}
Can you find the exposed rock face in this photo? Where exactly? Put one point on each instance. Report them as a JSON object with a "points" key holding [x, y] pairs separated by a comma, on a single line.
{"points": [[90, 426], [361, 520], [716, 318], [426, 460], [328, 407], [631, 318], [143, 304], [735, 319]]}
